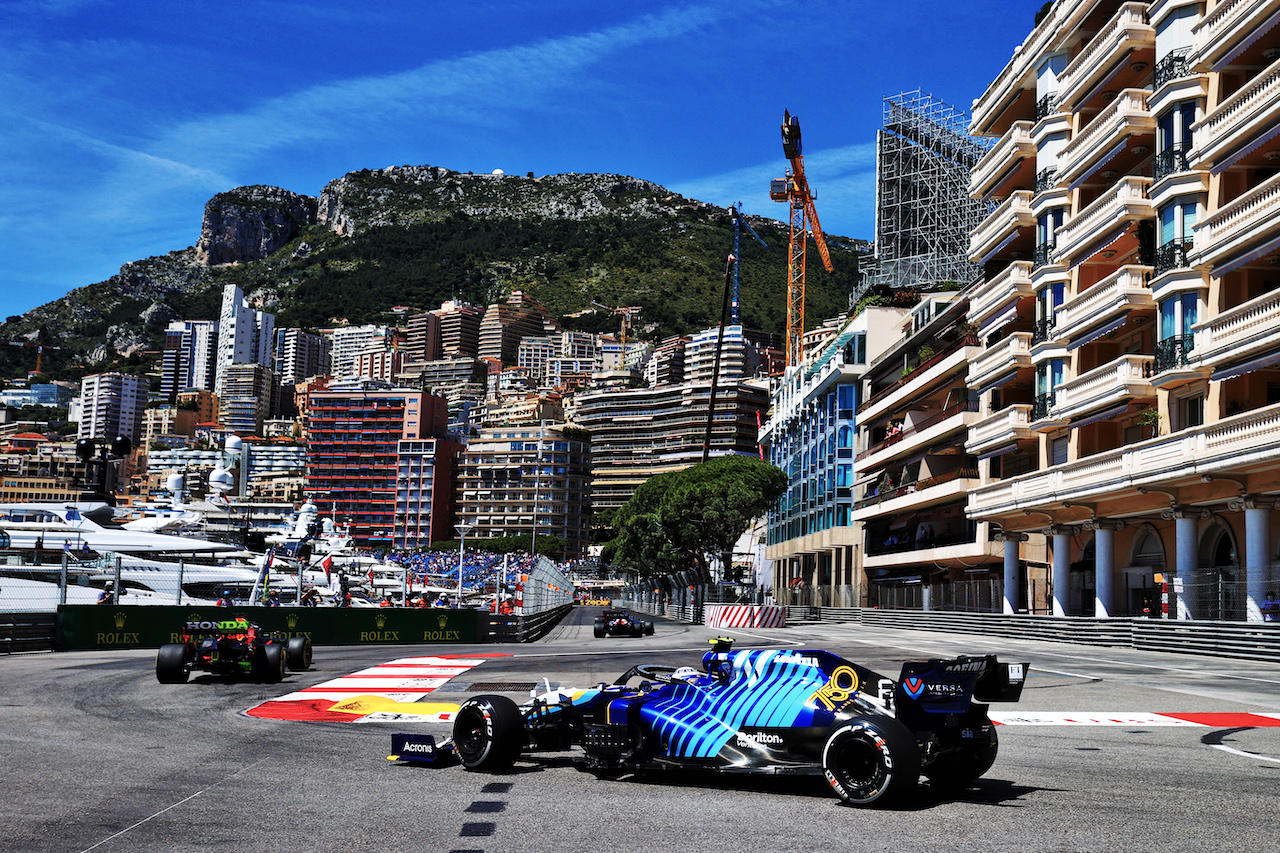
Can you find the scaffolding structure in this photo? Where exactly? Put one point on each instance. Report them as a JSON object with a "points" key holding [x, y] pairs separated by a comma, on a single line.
{"points": [[923, 211]]}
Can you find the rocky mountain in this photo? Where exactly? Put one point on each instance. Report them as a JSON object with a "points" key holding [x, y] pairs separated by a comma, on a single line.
{"points": [[418, 235]]}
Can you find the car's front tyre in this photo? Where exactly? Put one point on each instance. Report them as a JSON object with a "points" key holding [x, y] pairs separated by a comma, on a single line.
{"points": [[298, 655], [488, 733], [871, 760]]}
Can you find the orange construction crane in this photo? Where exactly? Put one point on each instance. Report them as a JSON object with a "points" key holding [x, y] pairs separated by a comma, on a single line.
{"points": [[626, 313], [794, 189], [39, 348]]}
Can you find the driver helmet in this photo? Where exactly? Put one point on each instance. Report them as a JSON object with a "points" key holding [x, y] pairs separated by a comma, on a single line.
{"points": [[685, 673], [226, 593]]}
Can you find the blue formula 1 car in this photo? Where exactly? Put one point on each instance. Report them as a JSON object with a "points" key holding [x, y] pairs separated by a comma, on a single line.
{"points": [[761, 711]]}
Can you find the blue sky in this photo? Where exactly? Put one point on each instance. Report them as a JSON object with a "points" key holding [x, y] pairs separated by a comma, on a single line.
{"points": [[121, 119]]}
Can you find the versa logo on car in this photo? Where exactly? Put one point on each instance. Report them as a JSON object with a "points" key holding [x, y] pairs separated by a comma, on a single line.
{"points": [[842, 684], [914, 686]]}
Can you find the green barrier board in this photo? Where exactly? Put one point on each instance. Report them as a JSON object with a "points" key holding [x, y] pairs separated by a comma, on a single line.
{"points": [[96, 626]]}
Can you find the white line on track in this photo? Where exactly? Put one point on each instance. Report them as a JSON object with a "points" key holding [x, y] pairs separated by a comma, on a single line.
{"points": [[169, 807], [1253, 755]]}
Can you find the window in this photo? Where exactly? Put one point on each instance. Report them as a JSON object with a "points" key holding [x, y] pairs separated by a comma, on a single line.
{"points": [[1058, 451], [855, 352], [1047, 226], [1190, 412]]}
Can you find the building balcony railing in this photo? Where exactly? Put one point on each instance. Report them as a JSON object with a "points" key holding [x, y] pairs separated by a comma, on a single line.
{"points": [[1112, 211], [1046, 253], [989, 298], [1192, 453], [916, 367], [889, 493], [1171, 160], [904, 435], [1126, 32], [1010, 424], [1172, 256], [1175, 65], [1046, 106], [1015, 145], [1239, 226], [1228, 25], [898, 542], [1241, 333], [1248, 114], [1046, 179], [1127, 378], [1042, 331], [1007, 354], [1042, 405], [1174, 352], [1012, 214], [1124, 290], [1124, 117]]}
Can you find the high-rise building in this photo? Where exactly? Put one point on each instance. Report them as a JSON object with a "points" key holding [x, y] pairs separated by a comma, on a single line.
{"points": [[112, 405], [506, 324], [520, 478], [300, 355], [190, 357], [245, 335], [422, 337], [250, 395], [459, 330], [1129, 310], [347, 342], [639, 432], [381, 456]]}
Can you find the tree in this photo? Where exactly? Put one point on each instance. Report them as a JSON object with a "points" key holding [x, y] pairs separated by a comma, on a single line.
{"points": [[678, 520]]}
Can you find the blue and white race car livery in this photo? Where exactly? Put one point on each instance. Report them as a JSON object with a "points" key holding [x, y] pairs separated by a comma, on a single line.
{"points": [[762, 711]]}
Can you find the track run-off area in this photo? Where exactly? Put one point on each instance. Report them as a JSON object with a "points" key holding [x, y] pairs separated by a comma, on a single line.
{"points": [[1109, 749]]}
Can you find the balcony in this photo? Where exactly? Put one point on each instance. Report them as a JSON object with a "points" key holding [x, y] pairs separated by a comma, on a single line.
{"points": [[1042, 331], [1006, 157], [1126, 32], [1004, 427], [952, 359], [1240, 334], [922, 433], [1046, 253], [1103, 221], [990, 299], [1183, 457], [928, 491], [1042, 405], [1173, 353], [1240, 229], [1117, 382], [1171, 161], [1105, 136], [999, 229], [1172, 256], [1046, 179], [1225, 134], [1011, 353], [1228, 25], [1110, 299], [1174, 66]]}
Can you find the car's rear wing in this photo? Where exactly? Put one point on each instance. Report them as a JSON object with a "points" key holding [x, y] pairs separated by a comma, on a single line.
{"points": [[948, 686]]}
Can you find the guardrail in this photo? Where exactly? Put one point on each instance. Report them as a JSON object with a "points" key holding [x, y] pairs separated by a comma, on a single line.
{"points": [[27, 632], [524, 629]]}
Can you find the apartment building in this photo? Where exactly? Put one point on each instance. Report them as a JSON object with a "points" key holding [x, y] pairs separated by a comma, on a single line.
{"points": [[506, 324], [520, 478], [112, 404], [245, 335], [813, 539], [1130, 308], [189, 361], [639, 432], [300, 354], [250, 395]]}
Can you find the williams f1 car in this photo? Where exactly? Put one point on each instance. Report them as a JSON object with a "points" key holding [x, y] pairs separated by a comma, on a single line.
{"points": [[756, 711], [615, 622], [234, 647]]}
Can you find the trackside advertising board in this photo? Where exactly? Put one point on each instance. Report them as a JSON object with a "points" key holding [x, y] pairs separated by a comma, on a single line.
{"points": [[99, 626]]}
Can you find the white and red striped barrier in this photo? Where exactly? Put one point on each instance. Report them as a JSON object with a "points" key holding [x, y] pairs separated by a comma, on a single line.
{"points": [[744, 616]]}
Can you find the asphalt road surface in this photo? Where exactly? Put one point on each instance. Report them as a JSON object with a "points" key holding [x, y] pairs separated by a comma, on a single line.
{"points": [[97, 755]]}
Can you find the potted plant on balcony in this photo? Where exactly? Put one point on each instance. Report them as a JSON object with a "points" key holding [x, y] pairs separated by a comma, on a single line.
{"points": [[1149, 419]]}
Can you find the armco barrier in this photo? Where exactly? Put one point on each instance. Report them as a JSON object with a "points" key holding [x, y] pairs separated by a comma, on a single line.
{"points": [[525, 629], [27, 632]]}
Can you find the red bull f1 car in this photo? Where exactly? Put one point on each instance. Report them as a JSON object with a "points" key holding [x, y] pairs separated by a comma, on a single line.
{"points": [[231, 647], [615, 622], [756, 711]]}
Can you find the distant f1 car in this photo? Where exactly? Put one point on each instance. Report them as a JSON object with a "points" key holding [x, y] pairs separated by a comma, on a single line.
{"points": [[231, 647], [616, 622], [756, 711]]}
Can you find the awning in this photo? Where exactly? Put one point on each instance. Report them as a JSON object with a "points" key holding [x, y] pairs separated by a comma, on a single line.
{"points": [[999, 451], [1006, 241], [1006, 315], [1258, 32], [1110, 155], [1244, 151], [1112, 236], [862, 481], [998, 381], [1248, 257], [1100, 416], [1090, 337], [1246, 367]]}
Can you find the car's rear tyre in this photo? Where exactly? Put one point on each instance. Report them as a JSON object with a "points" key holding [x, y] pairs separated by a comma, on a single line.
{"points": [[171, 664], [871, 760], [298, 654], [599, 628], [268, 663], [960, 768], [488, 733], [648, 628]]}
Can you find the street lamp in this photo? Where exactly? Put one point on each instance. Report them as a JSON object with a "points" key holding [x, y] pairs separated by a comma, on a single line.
{"points": [[462, 529]]}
